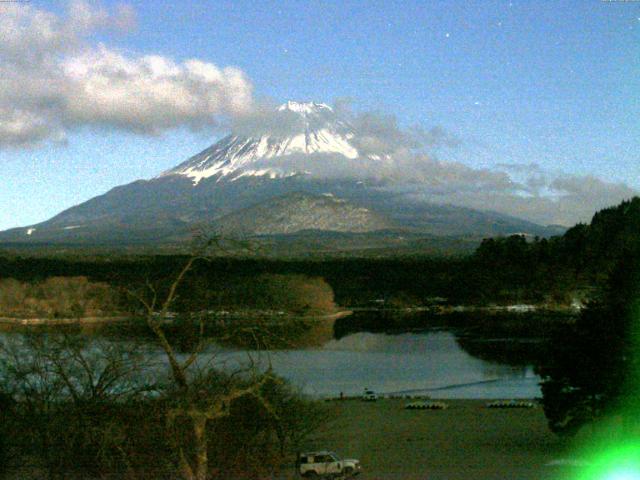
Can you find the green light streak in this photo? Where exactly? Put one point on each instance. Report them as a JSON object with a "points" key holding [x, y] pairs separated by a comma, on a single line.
{"points": [[620, 462]]}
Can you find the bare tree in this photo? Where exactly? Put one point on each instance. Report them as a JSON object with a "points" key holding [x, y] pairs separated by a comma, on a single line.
{"points": [[198, 398], [84, 406], [64, 389]]}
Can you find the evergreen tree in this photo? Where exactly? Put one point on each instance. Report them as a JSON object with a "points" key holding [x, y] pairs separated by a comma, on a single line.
{"points": [[593, 365]]}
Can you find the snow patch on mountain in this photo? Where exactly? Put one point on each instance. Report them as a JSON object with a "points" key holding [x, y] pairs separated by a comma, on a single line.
{"points": [[304, 107], [236, 156]]}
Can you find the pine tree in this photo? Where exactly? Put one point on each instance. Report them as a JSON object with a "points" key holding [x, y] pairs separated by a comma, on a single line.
{"points": [[593, 366]]}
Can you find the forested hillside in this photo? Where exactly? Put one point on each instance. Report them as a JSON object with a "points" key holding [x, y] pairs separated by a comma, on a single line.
{"points": [[515, 269], [582, 257]]}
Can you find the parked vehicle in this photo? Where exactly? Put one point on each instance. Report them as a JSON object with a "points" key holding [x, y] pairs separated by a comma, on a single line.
{"points": [[369, 395], [325, 464]]}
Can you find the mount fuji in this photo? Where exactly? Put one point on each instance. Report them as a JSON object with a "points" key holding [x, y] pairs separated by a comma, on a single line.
{"points": [[284, 176], [313, 129]]}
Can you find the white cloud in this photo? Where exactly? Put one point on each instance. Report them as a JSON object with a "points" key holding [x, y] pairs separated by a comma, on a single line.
{"points": [[150, 94], [522, 190], [53, 80], [542, 197], [408, 164]]}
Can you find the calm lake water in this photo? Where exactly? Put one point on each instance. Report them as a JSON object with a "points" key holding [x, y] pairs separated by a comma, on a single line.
{"points": [[429, 363]]}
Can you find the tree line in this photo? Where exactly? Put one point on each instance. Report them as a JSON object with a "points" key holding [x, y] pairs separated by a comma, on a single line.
{"points": [[504, 269]]}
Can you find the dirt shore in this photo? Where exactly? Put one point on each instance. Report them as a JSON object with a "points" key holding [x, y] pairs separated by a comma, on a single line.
{"points": [[466, 441], [53, 322]]}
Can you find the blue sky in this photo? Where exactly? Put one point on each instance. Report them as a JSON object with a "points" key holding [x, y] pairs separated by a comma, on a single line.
{"points": [[551, 83]]}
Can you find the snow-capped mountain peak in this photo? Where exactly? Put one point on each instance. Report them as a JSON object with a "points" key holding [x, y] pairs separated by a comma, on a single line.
{"points": [[304, 107], [315, 130]]}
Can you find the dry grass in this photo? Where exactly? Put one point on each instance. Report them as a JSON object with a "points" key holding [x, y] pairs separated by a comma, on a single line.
{"points": [[466, 441], [57, 297], [299, 294]]}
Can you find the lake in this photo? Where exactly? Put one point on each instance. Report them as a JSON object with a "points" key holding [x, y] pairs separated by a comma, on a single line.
{"points": [[430, 363], [439, 362]]}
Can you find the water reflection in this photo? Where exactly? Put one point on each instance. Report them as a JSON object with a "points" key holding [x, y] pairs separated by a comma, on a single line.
{"points": [[411, 363], [431, 363]]}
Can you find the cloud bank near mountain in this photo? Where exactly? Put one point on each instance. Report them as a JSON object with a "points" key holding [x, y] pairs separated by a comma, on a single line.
{"points": [[408, 163], [54, 80]]}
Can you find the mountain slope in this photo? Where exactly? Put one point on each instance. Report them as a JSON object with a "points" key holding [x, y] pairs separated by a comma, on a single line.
{"points": [[301, 155], [297, 212]]}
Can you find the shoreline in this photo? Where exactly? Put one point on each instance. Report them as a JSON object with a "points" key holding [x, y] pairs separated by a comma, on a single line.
{"points": [[52, 322], [446, 309], [437, 310]]}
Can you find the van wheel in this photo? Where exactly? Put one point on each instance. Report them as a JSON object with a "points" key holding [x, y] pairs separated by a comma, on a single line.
{"points": [[311, 474], [348, 471]]}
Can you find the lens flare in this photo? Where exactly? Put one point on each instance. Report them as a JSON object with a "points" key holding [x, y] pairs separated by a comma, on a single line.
{"points": [[622, 475], [616, 463]]}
